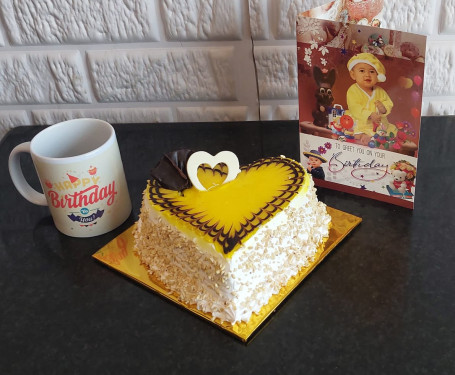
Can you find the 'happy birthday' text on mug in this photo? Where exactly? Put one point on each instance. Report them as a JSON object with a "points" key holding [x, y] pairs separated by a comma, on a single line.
{"points": [[83, 182]]}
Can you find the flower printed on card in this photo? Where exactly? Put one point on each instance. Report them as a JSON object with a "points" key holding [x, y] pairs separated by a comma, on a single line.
{"points": [[323, 50]]}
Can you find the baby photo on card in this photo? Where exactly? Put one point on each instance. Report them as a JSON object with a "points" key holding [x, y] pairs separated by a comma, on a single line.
{"points": [[360, 99]]}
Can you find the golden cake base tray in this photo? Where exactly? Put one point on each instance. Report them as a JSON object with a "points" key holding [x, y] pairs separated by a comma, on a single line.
{"points": [[119, 254]]}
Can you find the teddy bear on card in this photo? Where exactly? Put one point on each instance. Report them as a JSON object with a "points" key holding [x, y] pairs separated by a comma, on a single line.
{"points": [[398, 181], [403, 177]]}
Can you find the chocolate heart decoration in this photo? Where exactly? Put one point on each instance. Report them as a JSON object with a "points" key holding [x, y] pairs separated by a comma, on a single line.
{"points": [[230, 213]]}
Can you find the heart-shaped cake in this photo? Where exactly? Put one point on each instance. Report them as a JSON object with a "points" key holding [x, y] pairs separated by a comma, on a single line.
{"points": [[226, 238], [228, 213]]}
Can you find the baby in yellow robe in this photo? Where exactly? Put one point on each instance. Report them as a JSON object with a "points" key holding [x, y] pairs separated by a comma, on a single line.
{"points": [[368, 104]]}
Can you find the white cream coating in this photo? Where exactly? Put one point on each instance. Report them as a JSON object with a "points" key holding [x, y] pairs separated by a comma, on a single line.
{"points": [[231, 289]]}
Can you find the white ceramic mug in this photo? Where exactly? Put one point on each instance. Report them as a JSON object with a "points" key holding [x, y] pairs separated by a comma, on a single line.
{"points": [[81, 173]]}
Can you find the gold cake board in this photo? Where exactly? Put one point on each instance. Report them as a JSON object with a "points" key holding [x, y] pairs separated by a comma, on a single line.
{"points": [[119, 254]]}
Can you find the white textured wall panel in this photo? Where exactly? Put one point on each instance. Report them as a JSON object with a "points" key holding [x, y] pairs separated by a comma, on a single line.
{"points": [[277, 72], [286, 12], [447, 17], [10, 119], [180, 60], [266, 112], [441, 107], [416, 16], [79, 21], [44, 78], [287, 112], [439, 69], [258, 19], [225, 113], [113, 115], [163, 74], [202, 19]]}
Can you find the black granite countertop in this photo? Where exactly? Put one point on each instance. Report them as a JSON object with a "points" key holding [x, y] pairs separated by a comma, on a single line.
{"points": [[383, 302]]}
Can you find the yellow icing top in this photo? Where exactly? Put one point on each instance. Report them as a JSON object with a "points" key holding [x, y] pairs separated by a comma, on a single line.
{"points": [[228, 214]]}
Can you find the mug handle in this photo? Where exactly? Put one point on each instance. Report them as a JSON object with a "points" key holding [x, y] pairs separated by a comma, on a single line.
{"points": [[18, 178]]}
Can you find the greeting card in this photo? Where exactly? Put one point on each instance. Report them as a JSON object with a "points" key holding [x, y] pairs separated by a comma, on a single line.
{"points": [[360, 98]]}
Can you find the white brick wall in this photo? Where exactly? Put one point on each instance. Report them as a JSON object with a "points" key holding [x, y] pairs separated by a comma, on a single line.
{"points": [[178, 60]]}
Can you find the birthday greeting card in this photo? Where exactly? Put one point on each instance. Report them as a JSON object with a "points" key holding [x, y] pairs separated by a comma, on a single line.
{"points": [[360, 98]]}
